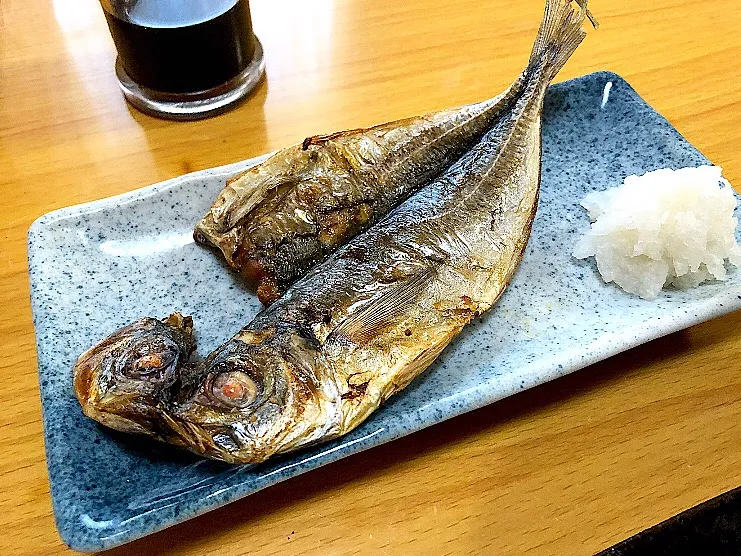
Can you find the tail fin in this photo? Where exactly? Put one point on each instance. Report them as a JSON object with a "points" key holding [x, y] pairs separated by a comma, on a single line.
{"points": [[560, 33]]}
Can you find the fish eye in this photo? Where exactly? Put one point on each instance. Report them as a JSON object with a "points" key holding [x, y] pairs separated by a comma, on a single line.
{"points": [[150, 362], [234, 388]]}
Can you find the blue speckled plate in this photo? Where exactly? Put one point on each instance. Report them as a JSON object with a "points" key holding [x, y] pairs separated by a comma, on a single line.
{"points": [[98, 266]]}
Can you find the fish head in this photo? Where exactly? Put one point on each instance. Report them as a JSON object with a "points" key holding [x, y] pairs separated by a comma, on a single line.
{"points": [[122, 380], [255, 397]]}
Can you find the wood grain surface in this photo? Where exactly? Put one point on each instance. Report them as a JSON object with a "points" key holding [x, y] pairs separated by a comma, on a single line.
{"points": [[567, 468]]}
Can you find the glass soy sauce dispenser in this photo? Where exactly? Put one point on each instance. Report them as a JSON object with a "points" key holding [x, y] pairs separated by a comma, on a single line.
{"points": [[184, 59]]}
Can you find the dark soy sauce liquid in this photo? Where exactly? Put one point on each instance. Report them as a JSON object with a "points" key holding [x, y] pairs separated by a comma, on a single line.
{"points": [[183, 46]]}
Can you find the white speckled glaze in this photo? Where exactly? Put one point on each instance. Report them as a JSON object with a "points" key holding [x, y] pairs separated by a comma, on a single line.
{"points": [[98, 266]]}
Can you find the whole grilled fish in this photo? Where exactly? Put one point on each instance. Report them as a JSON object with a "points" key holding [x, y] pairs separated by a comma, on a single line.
{"points": [[278, 219], [359, 326]]}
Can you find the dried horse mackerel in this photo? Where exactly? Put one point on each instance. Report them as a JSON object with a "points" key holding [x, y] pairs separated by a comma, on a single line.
{"points": [[359, 326], [280, 218]]}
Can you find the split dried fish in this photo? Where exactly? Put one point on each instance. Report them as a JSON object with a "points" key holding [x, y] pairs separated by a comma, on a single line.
{"points": [[358, 327], [280, 218]]}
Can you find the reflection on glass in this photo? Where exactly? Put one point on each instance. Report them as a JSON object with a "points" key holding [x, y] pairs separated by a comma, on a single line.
{"points": [[179, 59]]}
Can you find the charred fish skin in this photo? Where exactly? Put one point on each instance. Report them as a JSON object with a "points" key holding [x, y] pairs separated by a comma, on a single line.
{"points": [[364, 323], [282, 217]]}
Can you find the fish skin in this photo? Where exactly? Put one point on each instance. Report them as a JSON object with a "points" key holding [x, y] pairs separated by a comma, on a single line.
{"points": [[360, 326], [135, 366], [280, 218]]}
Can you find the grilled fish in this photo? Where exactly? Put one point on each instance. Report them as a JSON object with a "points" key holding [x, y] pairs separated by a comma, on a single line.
{"points": [[358, 327], [278, 219]]}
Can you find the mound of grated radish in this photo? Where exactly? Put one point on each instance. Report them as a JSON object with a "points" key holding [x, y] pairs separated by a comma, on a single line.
{"points": [[665, 228]]}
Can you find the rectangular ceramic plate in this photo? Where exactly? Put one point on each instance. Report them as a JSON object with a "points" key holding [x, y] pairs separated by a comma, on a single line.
{"points": [[98, 266]]}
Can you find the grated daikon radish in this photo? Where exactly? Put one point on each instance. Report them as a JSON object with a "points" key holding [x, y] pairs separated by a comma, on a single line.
{"points": [[667, 227]]}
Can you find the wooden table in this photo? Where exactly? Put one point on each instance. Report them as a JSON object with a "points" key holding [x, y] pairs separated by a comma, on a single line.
{"points": [[569, 467]]}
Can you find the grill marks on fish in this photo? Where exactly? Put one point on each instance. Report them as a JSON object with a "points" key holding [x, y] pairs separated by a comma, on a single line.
{"points": [[361, 325]]}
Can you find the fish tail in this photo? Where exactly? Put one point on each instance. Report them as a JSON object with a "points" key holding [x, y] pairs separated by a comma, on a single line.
{"points": [[560, 33]]}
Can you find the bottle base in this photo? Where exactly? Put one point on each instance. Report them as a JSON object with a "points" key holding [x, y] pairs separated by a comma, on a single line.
{"points": [[193, 106]]}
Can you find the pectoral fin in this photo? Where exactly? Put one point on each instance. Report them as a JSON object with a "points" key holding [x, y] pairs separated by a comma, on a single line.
{"points": [[387, 308]]}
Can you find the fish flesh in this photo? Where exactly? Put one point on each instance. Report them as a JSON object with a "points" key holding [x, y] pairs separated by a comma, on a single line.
{"points": [[358, 327], [281, 217]]}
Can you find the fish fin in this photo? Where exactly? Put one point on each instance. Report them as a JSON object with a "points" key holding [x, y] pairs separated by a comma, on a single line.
{"points": [[326, 138], [386, 309], [590, 15], [418, 365], [560, 33], [251, 191]]}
